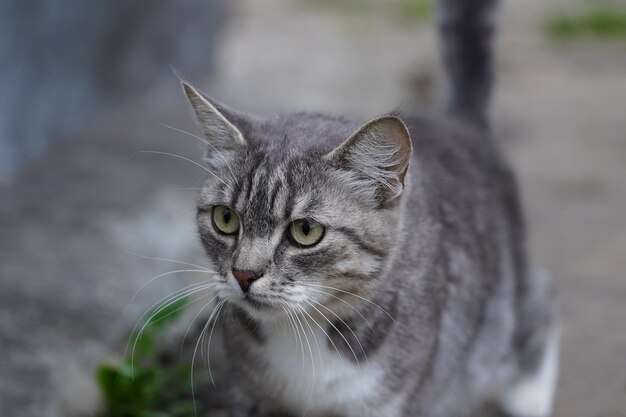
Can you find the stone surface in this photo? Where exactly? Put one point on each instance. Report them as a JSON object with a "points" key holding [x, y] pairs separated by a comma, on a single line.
{"points": [[71, 226]]}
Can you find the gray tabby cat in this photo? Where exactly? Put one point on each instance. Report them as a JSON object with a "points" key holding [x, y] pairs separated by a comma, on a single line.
{"points": [[377, 270]]}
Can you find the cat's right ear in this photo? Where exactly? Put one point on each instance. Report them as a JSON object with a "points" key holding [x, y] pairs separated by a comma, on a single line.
{"points": [[222, 135]]}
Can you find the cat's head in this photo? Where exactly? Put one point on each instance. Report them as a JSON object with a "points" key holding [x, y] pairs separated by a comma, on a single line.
{"points": [[299, 211]]}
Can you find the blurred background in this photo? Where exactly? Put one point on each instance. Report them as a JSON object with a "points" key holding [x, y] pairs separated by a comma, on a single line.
{"points": [[84, 86]]}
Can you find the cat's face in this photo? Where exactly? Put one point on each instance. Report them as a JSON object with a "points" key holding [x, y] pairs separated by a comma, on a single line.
{"points": [[298, 228]]}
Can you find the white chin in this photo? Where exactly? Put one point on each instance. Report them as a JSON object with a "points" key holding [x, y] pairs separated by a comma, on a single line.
{"points": [[261, 312], [257, 310]]}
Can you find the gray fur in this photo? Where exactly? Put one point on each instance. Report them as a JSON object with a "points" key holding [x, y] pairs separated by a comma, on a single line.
{"points": [[421, 274], [446, 261]]}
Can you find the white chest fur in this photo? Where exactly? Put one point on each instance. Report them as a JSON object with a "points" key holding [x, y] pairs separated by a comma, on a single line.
{"points": [[306, 372]]}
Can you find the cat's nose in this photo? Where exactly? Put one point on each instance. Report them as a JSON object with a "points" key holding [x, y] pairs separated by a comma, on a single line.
{"points": [[245, 278]]}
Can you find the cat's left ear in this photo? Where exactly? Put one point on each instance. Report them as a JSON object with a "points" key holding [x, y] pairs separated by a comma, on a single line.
{"points": [[222, 135], [377, 156]]}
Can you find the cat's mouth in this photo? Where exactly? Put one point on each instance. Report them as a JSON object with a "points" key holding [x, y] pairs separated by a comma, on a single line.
{"points": [[257, 303], [259, 308]]}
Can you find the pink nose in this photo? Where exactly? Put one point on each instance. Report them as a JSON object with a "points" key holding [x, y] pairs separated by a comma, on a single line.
{"points": [[245, 278]]}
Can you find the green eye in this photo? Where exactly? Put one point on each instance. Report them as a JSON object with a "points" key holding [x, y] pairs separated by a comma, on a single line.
{"points": [[225, 220], [305, 232]]}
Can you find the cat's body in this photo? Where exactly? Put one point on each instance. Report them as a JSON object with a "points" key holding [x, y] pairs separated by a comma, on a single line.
{"points": [[457, 289], [405, 292]]}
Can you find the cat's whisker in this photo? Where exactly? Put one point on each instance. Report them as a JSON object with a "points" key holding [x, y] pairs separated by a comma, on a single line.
{"points": [[193, 362], [319, 351], [327, 335], [190, 161], [182, 344], [169, 297], [352, 294], [164, 300], [208, 347], [207, 268], [230, 313], [300, 340], [345, 324], [203, 268], [312, 366], [291, 325], [206, 142], [293, 328], [202, 333], [287, 307], [204, 338], [178, 271], [201, 139], [300, 328], [356, 358], [187, 213], [161, 308], [346, 303], [195, 352]]}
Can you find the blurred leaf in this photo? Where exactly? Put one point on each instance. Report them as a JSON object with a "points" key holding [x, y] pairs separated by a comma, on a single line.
{"points": [[148, 388], [418, 9], [143, 345], [163, 316], [599, 23]]}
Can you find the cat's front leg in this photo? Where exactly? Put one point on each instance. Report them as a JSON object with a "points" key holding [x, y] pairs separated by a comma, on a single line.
{"points": [[243, 405], [256, 410]]}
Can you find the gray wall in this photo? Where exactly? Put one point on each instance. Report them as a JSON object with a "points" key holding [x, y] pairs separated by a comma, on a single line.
{"points": [[64, 62]]}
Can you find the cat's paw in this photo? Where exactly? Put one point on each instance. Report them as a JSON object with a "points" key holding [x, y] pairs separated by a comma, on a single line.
{"points": [[533, 394]]}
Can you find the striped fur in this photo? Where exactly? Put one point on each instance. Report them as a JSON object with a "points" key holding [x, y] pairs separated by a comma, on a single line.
{"points": [[417, 301]]}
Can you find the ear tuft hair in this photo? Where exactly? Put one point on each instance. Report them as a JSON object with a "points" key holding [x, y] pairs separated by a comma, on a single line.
{"points": [[376, 158], [222, 136]]}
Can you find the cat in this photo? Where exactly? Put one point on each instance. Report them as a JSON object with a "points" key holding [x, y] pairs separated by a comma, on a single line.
{"points": [[377, 269]]}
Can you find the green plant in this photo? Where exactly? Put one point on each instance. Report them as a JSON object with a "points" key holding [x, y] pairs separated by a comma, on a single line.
{"points": [[599, 23], [418, 10], [142, 385]]}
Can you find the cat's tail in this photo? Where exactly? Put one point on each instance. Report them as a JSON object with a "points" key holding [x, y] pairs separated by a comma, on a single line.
{"points": [[467, 29]]}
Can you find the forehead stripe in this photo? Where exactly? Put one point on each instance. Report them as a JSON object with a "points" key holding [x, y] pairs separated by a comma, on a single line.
{"points": [[236, 194], [251, 174], [291, 189], [277, 187]]}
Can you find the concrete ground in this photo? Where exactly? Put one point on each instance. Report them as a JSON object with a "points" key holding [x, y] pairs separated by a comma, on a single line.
{"points": [[73, 220]]}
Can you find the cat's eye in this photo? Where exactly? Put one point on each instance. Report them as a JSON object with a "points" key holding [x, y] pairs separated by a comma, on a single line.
{"points": [[225, 220], [305, 232]]}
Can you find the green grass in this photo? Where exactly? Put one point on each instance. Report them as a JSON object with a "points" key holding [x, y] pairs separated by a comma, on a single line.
{"points": [[418, 10], [602, 23], [409, 10], [141, 385]]}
